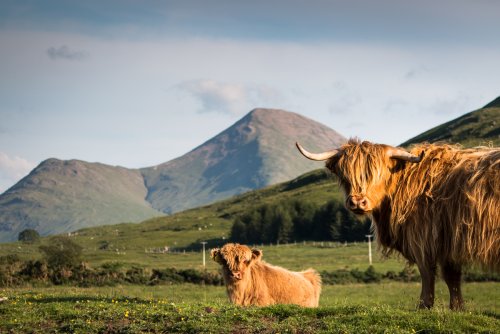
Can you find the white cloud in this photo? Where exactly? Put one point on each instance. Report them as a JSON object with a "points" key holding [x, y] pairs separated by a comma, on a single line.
{"points": [[12, 169], [230, 98]]}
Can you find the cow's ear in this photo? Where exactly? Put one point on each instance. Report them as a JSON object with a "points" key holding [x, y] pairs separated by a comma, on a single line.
{"points": [[256, 254], [215, 255]]}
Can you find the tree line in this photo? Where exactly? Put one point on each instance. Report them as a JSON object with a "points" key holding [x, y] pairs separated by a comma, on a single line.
{"points": [[294, 220]]}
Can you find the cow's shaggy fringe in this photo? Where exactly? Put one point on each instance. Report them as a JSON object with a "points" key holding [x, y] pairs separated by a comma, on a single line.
{"points": [[445, 207]]}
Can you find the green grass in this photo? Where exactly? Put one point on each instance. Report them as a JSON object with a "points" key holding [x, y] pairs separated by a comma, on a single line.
{"points": [[375, 308], [388, 307]]}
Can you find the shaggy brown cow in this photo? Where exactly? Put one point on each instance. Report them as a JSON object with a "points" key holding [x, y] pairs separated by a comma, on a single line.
{"points": [[251, 281], [436, 205]]}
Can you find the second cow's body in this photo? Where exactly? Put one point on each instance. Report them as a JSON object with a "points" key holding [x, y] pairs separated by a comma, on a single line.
{"points": [[251, 281]]}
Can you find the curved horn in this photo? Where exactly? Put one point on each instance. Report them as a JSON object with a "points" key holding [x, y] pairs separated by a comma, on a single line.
{"points": [[316, 156], [398, 153]]}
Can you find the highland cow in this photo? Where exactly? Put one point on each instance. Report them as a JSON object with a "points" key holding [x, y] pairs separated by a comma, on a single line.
{"points": [[251, 281], [437, 205]]}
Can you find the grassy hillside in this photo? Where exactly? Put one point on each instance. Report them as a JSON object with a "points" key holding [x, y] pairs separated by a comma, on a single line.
{"points": [[60, 196], [480, 127], [127, 242]]}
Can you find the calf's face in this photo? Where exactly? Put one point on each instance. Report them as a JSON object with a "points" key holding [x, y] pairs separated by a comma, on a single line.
{"points": [[236, 260]]}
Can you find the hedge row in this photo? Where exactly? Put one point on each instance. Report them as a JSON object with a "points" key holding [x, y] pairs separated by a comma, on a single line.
{"points": [[14, 272]]}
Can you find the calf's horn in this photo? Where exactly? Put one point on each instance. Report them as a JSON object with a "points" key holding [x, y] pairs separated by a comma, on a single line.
{"points": [[316, 156]]}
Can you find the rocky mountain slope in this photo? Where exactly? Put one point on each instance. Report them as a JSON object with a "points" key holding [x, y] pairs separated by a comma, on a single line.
{"points": [[257, 151]]}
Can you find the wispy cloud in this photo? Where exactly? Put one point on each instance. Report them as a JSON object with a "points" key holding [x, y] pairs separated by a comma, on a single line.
{"points": [[230, 98], [451, 105], [417, 72], [12, 169], [344, 99], [65, 53]]}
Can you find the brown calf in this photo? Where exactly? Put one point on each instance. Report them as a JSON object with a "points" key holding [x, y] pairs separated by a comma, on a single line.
{"points": [[251, 281]]}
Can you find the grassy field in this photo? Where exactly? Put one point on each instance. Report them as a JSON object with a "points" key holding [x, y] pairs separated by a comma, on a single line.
{"points": [[296, 256], [387, 307], [374, 308]]}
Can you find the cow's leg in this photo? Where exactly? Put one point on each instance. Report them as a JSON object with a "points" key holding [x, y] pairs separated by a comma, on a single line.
{"points": [[452, 275], [428, 274]]}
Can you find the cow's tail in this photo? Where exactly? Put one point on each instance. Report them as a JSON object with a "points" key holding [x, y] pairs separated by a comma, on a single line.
{"points": [[313, 276]]}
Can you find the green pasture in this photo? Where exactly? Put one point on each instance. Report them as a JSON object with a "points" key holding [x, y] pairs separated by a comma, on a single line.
{"points": [[370, 308], [295, 256], [387, 307]]}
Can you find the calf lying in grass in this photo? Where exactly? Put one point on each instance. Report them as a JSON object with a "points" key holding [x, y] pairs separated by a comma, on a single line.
{"points": [[251, 281]]}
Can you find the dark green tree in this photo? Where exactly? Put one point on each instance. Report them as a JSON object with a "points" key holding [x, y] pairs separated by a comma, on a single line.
{"points": [[253, 222], [28, 235], [298, 220], [269, 232], [303, 215], [62, 252], [285, 226], [335, 227], [238, 231]]}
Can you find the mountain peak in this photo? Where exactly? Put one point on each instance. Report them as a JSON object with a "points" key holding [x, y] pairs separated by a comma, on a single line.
{"points": [[256, 151], [271, 114], [260, 112]]}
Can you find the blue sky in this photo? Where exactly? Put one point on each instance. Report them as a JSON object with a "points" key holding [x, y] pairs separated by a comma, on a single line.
{"points": [[138, 83]]}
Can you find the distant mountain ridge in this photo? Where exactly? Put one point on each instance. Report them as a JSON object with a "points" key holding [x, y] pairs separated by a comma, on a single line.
{"points": [[62, 196], [258, 150]]}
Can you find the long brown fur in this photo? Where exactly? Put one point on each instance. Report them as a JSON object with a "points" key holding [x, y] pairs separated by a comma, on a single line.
{"points": [[264, 284], [444, 209]]}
